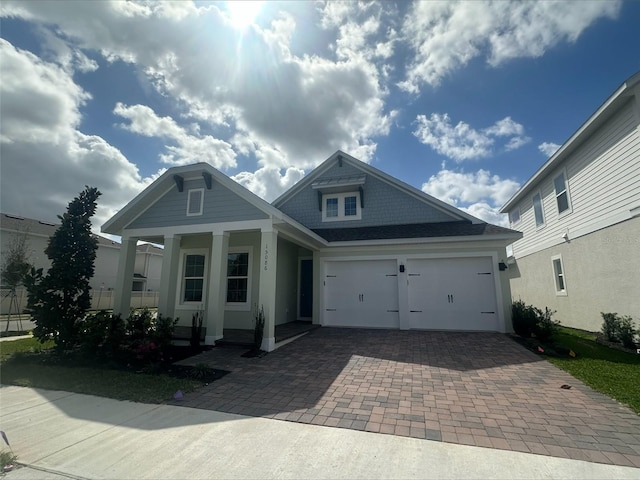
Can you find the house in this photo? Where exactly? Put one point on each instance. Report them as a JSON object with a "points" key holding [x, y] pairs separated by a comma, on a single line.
{"points": [[580, 218], [36, 233], [347, 246]]}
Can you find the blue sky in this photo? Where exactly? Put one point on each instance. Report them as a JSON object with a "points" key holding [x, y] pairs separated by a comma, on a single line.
{"points": [[464, 100]]}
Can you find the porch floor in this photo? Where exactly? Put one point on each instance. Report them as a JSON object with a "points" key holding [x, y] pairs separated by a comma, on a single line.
{"points": [[284, 331]]}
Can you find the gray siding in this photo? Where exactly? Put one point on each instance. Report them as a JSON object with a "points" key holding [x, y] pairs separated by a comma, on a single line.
{"points": [[384, 204], [220, 205], [603, 176]]}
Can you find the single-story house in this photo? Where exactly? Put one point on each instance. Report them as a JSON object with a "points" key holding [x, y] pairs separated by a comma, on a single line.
{"points": [[580, 218], [347, 246]]}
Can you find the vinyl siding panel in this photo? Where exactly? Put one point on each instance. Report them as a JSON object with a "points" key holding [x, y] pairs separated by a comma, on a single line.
{"points": [[603, 175], [220, 205], [384, 204]]}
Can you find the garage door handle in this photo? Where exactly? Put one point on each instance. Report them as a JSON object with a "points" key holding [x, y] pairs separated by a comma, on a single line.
{"points": [[415, 311], [489, 312], [331, 309]]}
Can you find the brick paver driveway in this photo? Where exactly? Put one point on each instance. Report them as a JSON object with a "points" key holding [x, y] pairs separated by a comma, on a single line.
{"points": [[470, 388]]}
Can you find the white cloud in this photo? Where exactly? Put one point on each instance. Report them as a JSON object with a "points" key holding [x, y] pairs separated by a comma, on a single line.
{"points": [[46, 161], [548, 148], [462, 142], [446, 36], [187, 149], [480, 194], [269, 183]]}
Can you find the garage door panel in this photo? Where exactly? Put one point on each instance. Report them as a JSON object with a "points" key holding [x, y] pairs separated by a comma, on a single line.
{"points": [[452, 294], [361, 294]]}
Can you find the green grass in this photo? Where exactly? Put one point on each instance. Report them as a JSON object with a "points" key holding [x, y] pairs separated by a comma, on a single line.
{"points": [[28, 370], [612, 372]]}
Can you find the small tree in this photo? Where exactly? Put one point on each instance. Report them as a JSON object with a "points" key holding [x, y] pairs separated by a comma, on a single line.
{"points": [[59, 300], [15, 264]]}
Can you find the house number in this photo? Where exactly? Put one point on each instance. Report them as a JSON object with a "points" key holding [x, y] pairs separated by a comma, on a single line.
{"points": [[266, 255]]}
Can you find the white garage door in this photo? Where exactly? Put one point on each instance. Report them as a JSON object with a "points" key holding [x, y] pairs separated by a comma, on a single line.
{"points": [[361, 294], [452, 294]]}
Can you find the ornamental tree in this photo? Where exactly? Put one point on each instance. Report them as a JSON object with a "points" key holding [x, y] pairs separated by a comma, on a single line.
{"points": [[59, 300]]}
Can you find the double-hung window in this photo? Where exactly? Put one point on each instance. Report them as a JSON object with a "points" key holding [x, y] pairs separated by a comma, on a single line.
{"points": [[239, 277], [537, 210], [193, 278], [514, 216], [341, 206], [562, 193], [195, 202], [558, 275]]}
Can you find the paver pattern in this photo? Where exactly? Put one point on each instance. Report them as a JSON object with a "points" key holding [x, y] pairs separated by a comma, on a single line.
{"points": [[479, 389]]}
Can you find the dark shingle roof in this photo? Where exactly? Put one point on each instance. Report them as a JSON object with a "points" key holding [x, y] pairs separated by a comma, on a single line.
{"points": [[414, 230]]}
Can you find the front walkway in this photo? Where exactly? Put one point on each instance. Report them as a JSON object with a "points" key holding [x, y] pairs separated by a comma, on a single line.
{"points": [[478, 389]]}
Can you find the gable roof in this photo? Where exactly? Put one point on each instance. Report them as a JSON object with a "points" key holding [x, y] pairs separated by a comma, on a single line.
{"points": [[313, 176], [595, 121]]}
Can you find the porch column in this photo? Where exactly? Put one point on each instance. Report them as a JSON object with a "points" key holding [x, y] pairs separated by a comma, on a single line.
{"points": [[217, 288], [169, 276], [267, 295], [126, 264]]}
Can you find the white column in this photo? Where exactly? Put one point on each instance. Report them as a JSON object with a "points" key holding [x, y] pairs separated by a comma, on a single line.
{"points": [[267, 295], [126, 264], [217, 288], [169, 276]]}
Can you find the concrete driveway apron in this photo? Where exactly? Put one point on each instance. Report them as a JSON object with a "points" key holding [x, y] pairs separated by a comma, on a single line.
{"points": [[479, 389]]}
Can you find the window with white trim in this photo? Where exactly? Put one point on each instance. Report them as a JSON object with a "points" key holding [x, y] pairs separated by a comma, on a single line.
{"points": [[537, 210], [239, 276], [195, 202], [562, 193], [514, 216], [193, 278], [558, 275], [341, 206]]}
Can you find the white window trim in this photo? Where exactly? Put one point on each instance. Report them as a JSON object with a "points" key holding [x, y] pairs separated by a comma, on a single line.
{"points": [[563, 292], [180, 304], [341, 216], [199, 212], [566, 189], [517, 209], [240, 306], [533, 208]]}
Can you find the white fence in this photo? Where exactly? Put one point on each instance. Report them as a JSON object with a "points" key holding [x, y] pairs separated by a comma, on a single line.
{"points": [[100, 300]]}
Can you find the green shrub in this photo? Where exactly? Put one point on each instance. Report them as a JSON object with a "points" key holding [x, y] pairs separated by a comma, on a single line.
{"points": [[101, 333], [523, 317], [627, 332], [610, 326], [545, 327], [258, 331]]}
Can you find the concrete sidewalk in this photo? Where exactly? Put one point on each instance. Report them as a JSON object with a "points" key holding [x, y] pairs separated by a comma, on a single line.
{"points": [[65, 435]]}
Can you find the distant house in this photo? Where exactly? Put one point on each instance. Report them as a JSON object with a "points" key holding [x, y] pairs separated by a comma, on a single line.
{"points": [[146, 276], [346, 246], [580, 216]]}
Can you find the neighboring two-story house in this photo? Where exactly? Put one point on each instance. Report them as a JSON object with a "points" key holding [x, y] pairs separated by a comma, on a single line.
{"points": [[580, 216], [347, 246]]}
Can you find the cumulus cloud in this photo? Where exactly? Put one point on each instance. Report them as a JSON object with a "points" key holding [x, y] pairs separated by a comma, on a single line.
{"points": [[187, 148], [478, 193], [548, 148], [446, 36], [462, 142], [46, 160]]}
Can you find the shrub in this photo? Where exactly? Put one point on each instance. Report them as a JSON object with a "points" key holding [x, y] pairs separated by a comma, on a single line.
{"points": [[523, 317], [101, 333], [196, 329], [610, 326], [627, 332], [545, 327], [258, 332]]}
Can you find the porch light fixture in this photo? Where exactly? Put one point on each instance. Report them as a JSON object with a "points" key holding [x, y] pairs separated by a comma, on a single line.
{"points": [[401, 268], [502, 266]]}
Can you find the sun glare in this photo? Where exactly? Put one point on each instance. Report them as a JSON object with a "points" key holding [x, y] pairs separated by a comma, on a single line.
{"points": [[243, 12]]}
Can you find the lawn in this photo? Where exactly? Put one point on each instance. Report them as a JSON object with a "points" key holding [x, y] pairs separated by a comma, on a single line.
{"points": [[612, 372], [25, 363]]}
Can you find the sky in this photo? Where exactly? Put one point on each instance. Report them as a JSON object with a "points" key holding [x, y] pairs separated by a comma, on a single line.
{"points": [[462, 100]]}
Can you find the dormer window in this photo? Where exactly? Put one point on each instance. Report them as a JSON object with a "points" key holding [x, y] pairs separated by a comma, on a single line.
{"points": [[341, 206]]}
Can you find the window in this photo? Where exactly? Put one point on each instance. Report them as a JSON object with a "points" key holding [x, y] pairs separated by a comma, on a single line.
{"points": [[562, 193], [537, 210], [514, 216], [195, 201], [558, 275], [239, 277], [193, 280], [341, 206]]}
